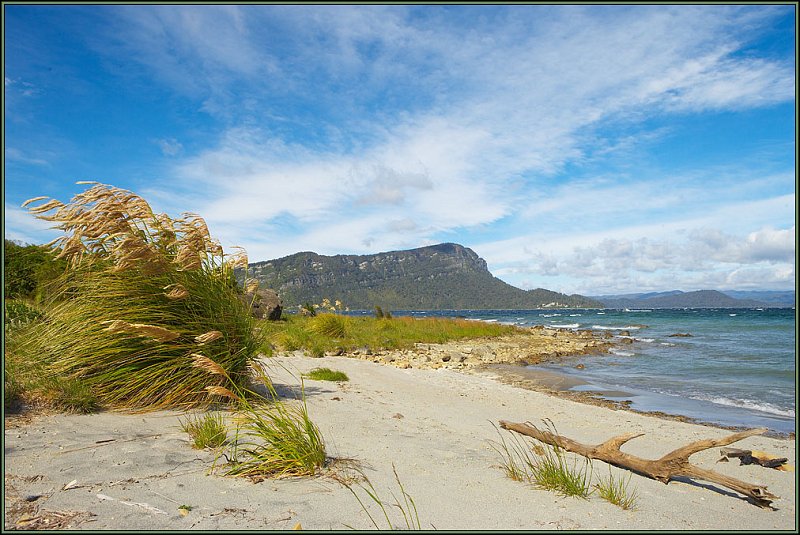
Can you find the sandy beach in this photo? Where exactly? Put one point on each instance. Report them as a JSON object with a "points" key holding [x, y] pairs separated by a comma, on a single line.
{"points": [[134, 471]]}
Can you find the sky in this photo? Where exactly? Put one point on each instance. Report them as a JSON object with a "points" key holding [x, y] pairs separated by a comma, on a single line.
{"points": [[592, 149]]}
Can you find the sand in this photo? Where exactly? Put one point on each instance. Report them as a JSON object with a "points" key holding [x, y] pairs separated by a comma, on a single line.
{"points": [[121, 471]]}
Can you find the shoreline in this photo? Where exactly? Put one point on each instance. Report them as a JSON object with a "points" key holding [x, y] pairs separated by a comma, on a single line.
{"points": [[557, 384], [431, 413], [434, 426], [506, 358]]}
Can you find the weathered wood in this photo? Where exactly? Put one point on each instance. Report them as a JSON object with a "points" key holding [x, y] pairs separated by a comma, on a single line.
{"points": [[673, 464], [753, 457]]}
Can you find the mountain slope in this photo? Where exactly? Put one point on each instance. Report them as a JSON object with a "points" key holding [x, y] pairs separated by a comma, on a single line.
{"points": [[676, 299], [444, 276]]}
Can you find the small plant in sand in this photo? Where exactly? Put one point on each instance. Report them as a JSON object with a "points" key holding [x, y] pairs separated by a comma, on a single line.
{"points": [[326, 374], [272, 439], [207, 431], [615, 490], [407, 508], [544, 466], [143, 295]]}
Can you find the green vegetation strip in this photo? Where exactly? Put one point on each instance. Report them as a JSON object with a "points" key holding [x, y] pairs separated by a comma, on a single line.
{"points": [[334, 333]]}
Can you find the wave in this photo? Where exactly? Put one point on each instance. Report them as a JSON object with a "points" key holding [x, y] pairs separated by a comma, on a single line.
{"points": [[566, 326], [575, 315], [607, 328], [648, 340], [620, 352], [548, 315], [760, 406], [667, 344]]}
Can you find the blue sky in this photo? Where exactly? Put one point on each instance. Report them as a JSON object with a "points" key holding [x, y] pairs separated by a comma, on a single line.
{"points": [[583, 149]]}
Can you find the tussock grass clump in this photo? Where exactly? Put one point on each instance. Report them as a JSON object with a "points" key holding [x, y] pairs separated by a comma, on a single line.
{"points": [[207, 431], [326, 374], [615, 490], [329, 325], [144, 294], [544, 466], [276, 440], [272, 438]]}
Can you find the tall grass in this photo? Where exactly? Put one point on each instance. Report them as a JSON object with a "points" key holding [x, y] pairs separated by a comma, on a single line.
{"points": [[407, 508], [616, 490], [144, 295], [331, 333], [272, 438], [544, 466]]}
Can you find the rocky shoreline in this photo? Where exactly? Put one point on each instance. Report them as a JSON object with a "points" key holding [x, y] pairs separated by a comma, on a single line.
{"points": [[531, 345]]}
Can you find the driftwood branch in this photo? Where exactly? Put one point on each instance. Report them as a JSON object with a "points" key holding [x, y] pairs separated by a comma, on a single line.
{"points": [[672, 465]]}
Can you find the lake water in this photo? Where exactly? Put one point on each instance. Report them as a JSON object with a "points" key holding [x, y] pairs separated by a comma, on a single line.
{"points": [[736, 369]]}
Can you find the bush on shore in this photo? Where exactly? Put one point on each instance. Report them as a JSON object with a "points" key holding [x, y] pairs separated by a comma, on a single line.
{"points": [[144, 294]]}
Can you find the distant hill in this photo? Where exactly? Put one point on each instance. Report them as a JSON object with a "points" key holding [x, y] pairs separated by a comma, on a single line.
{"points": [[678, 299], [774, 298], [438, 277]]}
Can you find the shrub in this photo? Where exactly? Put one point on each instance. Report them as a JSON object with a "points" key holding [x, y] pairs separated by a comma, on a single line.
{"points": [[19, 313], [144, 295], [326, 374]]}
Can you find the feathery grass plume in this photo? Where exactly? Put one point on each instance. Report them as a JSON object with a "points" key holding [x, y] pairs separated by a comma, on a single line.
{"points": [[205, 363], [222, 391], [251, 285], [153, 331], [176, 291], [140, 288], [208, 337]]}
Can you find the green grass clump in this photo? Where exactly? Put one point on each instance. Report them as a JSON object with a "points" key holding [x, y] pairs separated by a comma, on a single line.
{"points": [[329, 325], [544, 466], [616, 491], [207, 431], [143, 296], [331, 333], [275, 439], [326, 374]]}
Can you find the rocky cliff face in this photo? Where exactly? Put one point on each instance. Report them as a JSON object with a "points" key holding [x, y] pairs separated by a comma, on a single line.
{"points": [[444, 276]]}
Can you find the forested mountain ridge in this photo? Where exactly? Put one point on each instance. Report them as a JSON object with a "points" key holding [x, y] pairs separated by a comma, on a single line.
{"points": [[437, 277]]}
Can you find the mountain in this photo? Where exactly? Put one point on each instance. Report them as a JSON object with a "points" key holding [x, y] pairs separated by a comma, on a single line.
{"points": [[773, 298], [438, 277], [678, 299]]}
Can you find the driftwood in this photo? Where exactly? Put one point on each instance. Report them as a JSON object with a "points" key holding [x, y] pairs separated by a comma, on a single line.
{"points": [[672, 465], [753, 457]]}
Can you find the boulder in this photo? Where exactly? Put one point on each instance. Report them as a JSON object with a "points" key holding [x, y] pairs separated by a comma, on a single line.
{"points": [[266, 304]]}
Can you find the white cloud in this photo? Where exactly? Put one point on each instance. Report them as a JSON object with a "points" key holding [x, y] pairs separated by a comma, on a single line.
{"points": [[17, 155], [169, 146], [20, 225]]}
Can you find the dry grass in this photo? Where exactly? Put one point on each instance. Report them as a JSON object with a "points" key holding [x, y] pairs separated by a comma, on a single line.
{"points": [[144, 296]]}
